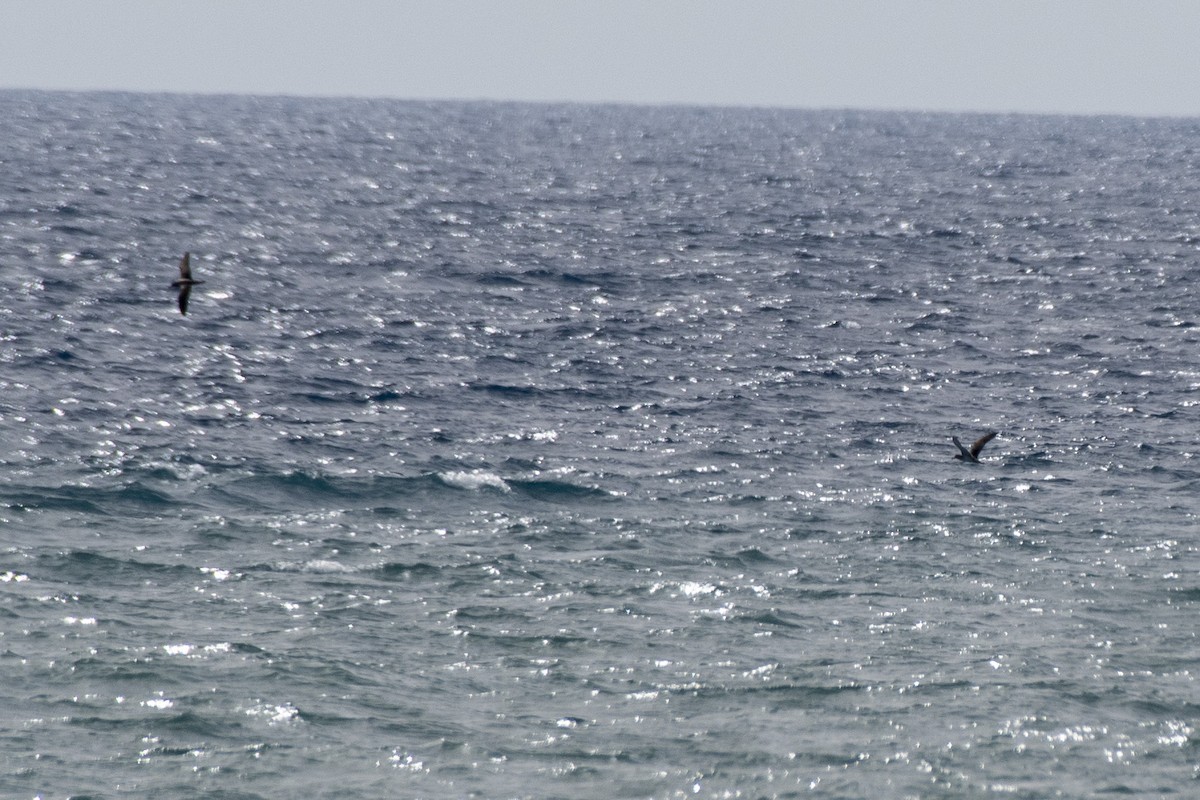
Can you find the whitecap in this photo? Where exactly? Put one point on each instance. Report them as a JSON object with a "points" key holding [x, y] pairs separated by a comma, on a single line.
{"points": [[274, 714], [325, 565], [474, 479]]}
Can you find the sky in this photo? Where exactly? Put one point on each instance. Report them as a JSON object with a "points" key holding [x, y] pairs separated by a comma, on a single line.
{"points": [[1134, 57]]}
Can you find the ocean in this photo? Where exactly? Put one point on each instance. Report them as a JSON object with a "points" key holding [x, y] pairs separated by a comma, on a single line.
{"points": [[568, 451]]}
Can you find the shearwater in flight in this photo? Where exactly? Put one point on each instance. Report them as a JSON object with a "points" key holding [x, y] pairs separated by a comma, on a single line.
{"points": [[972, 455], [185, 282]]}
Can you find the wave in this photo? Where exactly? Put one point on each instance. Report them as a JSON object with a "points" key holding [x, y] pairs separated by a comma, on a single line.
{"points": [[385, 494], [535, 488], [87, 568], [559, 491], [134, 498]]}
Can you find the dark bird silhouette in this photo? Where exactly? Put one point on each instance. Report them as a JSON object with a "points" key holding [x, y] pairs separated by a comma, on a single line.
{"points": [[185, 282], [972, 455]]}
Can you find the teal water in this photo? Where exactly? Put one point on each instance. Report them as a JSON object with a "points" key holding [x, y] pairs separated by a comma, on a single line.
{"points": [[568, 451]]}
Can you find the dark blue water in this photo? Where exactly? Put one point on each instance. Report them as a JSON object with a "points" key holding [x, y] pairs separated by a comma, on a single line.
{"points": [[563, 451]]}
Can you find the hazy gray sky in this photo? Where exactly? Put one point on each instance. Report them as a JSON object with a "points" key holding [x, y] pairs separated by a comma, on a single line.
{"points": [[1074, 56]]}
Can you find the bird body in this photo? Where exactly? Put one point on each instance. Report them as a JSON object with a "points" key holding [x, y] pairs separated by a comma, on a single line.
{"points": [[185, 282], [972, 455]]}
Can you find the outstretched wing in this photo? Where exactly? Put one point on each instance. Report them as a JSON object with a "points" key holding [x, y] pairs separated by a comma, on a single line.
{"points": [[184, 291], [185, 268], [965, 453], [977, 447]]}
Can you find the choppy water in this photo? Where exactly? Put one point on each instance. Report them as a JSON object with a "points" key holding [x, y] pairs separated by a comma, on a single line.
{"points": [[536, 451]]}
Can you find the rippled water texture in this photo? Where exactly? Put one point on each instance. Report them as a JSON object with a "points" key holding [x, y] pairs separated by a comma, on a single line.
{"points": [[567, 451]]}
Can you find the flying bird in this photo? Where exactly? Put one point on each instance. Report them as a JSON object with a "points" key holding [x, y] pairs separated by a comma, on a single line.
{"points": [[972, 455], [185, 282]]}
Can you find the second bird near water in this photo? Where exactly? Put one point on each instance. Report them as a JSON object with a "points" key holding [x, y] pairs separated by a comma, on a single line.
{"points": [[972, 455]]}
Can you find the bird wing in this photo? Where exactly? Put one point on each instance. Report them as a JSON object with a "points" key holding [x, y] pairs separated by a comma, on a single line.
{"points": [[185, 267], [977, 447], [961, 449], [184, 291]]}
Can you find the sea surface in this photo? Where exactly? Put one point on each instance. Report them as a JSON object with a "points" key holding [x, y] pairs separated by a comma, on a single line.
{"points": [[540, 451]]}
